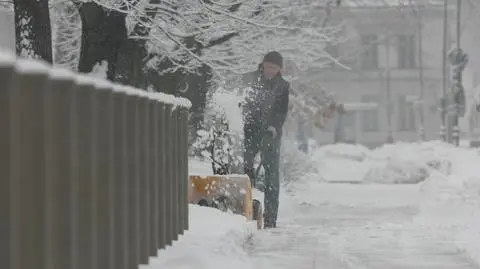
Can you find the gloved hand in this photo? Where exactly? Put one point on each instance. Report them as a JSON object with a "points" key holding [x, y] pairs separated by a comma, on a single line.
{"points": [[268, 137]]}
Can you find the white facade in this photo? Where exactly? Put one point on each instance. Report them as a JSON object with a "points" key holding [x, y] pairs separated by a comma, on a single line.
{"points": [[385, 67], [7, 31]]}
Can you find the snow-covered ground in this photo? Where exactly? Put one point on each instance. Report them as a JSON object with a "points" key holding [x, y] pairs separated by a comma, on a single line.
{"points": [[451, 200], [214, 240], [431, 224]]}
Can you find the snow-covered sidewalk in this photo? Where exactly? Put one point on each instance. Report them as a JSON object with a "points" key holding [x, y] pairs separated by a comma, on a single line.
{"points": [[432, 224]]}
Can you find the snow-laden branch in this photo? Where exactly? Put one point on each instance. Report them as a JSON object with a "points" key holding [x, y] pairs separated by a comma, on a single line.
{"points": [[227, 35], [256, 26]]}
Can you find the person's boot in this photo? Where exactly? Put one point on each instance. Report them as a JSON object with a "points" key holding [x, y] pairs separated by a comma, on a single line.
{"points": [[268, 224]]}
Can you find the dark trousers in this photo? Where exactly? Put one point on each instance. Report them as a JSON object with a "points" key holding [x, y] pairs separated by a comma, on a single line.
{"points": [[271, 164]]}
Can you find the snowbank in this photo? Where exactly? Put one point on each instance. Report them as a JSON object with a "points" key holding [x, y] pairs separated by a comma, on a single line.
{"points": [[215, 240], [451, 201], [407, 162], [400, 163], [391, 164], [341, 162]]}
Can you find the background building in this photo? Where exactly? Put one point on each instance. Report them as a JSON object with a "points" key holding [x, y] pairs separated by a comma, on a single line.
{"points": [[391, 54]]}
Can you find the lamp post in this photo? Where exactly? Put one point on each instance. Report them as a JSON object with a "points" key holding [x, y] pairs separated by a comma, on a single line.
{"points": [[390, 138], [443, 99], [458, 60]]}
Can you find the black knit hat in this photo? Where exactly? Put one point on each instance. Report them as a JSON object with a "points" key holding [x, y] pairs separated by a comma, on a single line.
{"points": [[274, 57]]}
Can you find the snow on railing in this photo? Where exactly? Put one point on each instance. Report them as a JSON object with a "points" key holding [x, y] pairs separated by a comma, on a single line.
{"points": [[92, 174]]}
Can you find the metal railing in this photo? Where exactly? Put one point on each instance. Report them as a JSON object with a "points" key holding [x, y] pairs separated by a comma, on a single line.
{"points": [[92, 175]]}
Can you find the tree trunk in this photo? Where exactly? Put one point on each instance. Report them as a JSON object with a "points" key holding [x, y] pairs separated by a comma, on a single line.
{"points": [[33, 35], [103, 34]]}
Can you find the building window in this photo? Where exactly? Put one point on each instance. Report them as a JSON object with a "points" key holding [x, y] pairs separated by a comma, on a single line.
{"points": [[406, 53], [370, 117], [369, 58], [406, 114]]}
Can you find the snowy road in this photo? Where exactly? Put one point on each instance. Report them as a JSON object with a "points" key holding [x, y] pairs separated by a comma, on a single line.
{"points": [[356, 226]]}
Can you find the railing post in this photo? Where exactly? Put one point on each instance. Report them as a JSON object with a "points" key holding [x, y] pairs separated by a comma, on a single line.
{"points": [[143, 164], [179, 172], [162, 176], [169, 175], [132, 191], [7, 74], [104, 181], [175, 151], [153, 176], [93, 159], [58, 97], [119, 166], [83, 130], [27, 157], [187, 173], [184, 166]]}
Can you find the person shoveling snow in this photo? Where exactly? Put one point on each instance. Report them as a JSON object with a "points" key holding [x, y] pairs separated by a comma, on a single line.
{"points": [[264, 112]]}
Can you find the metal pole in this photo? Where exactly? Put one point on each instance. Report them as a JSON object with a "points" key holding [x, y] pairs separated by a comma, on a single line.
{"points": [[389, 95], [443, 105], [420, 74], [455, 107]]}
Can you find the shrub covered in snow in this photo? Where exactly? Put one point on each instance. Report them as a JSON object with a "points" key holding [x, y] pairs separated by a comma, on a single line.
{"points": [[216, 143]]}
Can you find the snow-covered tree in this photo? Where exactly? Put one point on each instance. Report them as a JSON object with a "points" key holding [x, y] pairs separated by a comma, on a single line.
{"points": [[232, 35], [225, 35], [33, 38], [177, 47]]}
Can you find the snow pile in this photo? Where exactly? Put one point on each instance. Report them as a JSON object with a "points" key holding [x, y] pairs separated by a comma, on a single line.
{"points": [[391, 164], [215, 240], [451, 201], [342, 162], [399, 163], [406, 162]]}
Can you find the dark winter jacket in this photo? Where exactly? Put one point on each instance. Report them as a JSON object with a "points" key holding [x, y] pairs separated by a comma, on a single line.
{"points": [[266, 104]]}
